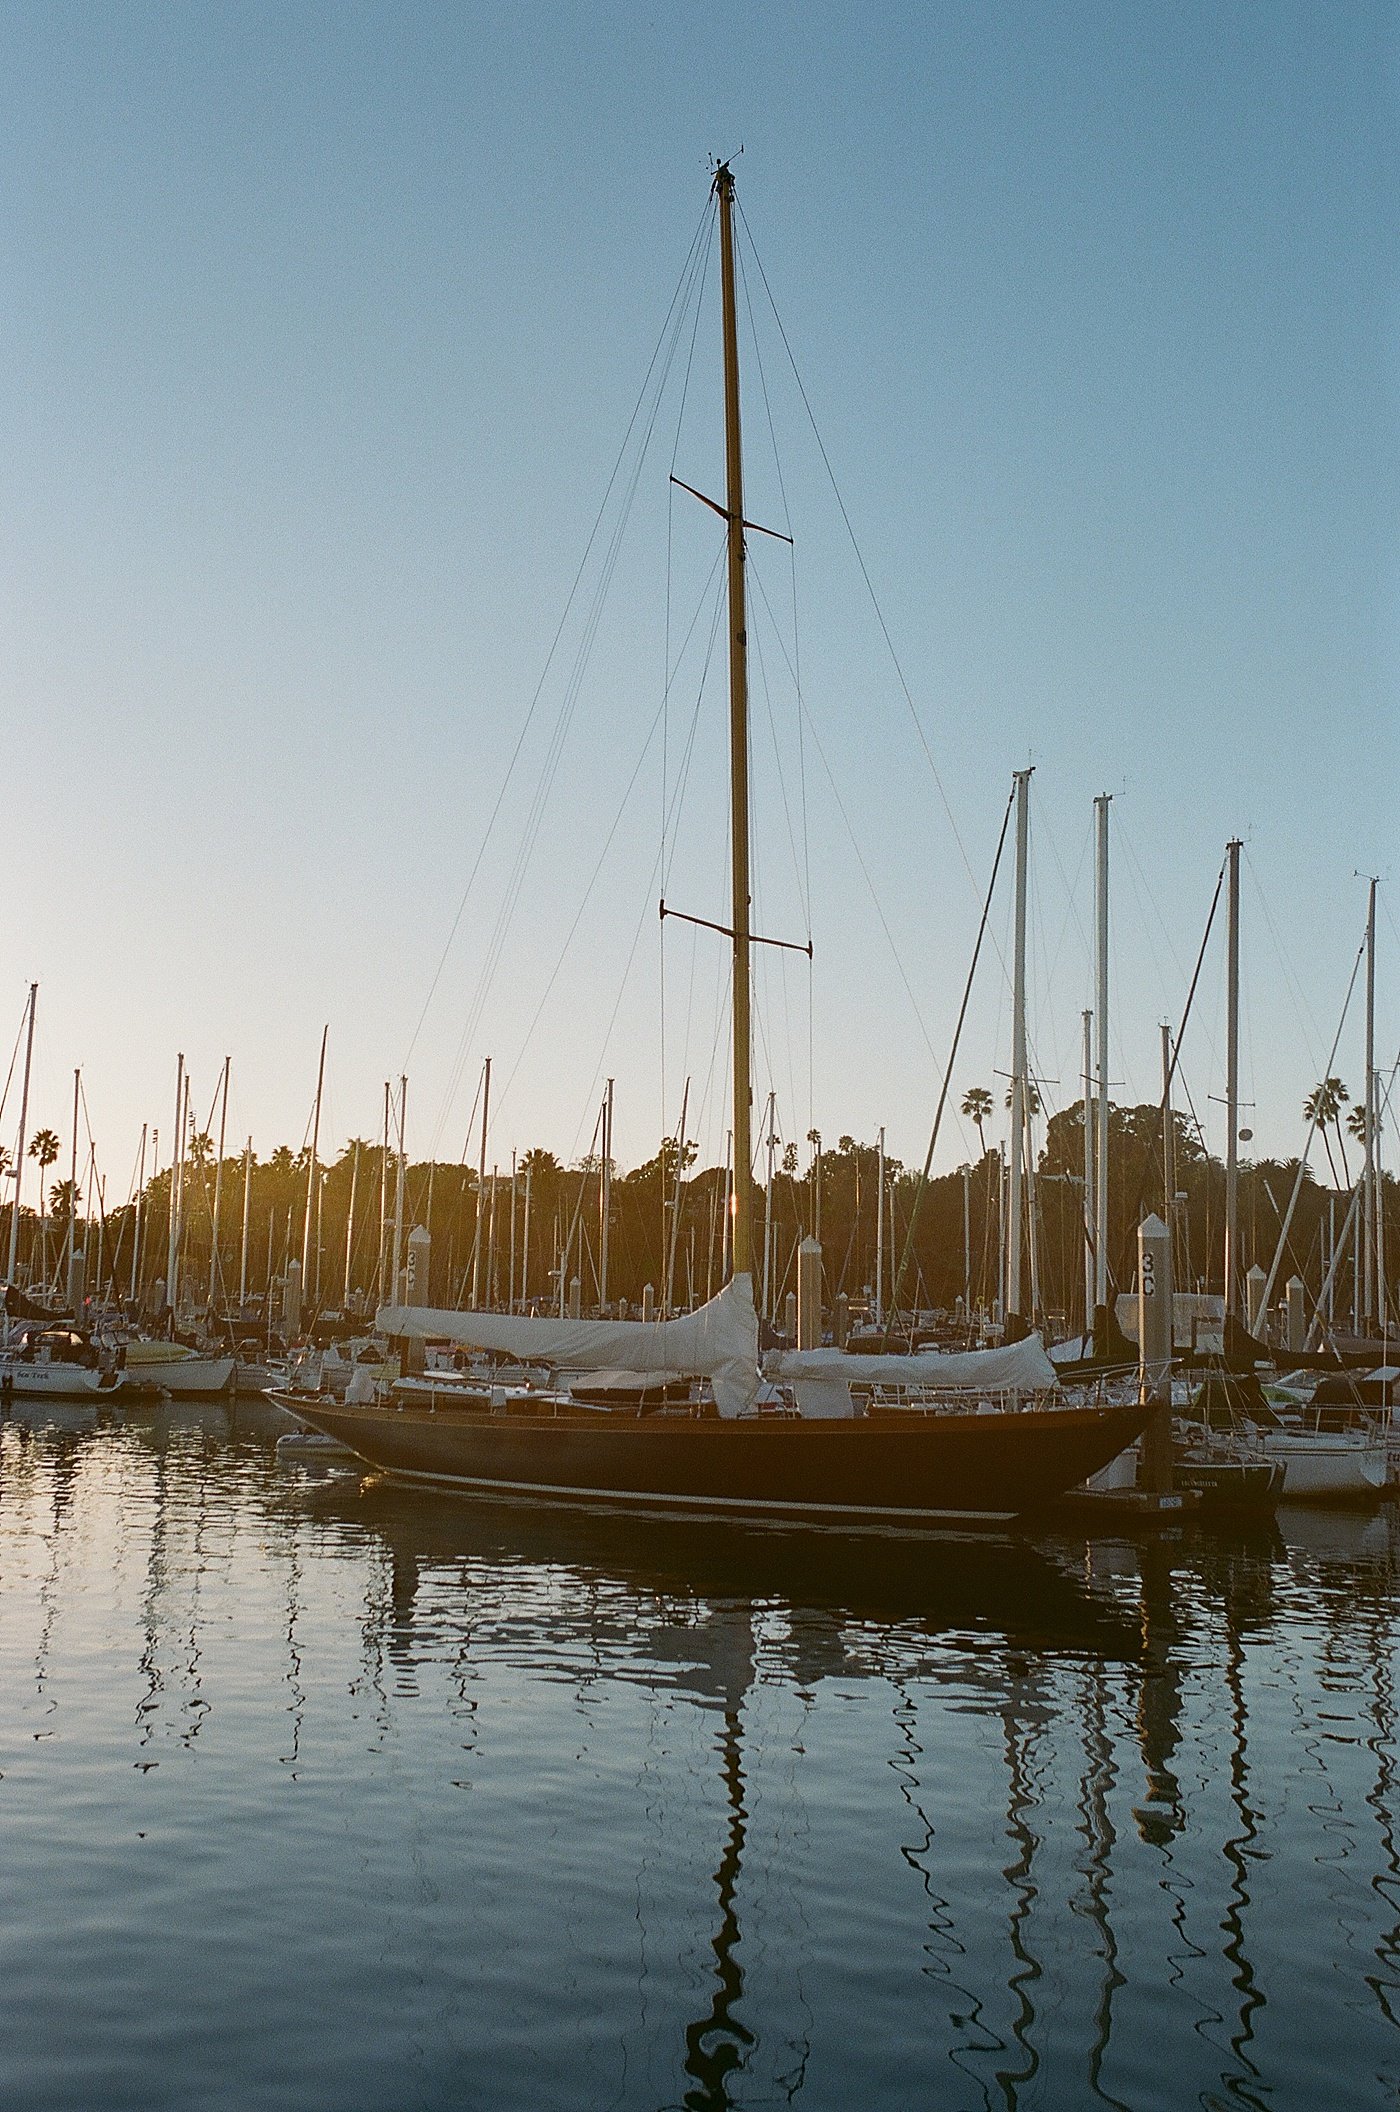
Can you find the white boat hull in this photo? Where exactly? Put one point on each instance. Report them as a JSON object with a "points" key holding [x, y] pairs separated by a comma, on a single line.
{"points": [[58, 1382], [187, 1378], [193, 1378], [1324, 1468]]}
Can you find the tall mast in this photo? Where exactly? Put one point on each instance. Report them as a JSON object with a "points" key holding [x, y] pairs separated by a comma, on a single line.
{"points": [[243, 1242], [1368, 1178], [772, 1141], [1101, 961], [73, 1179], [605, 1197], [967, 1244], [379, 1297], [676, 1204], [742, 1203], [481, 1189], [177, 1175], [510, 1308], [1090, 1211], [525, 1245], [19, 1154], [1168, 1147], [398, 1194], [1018, 1053], [350, 1225], [880, 1230], [139, 1216], [218, 1192], [311, 1170], [1232, 1078]]}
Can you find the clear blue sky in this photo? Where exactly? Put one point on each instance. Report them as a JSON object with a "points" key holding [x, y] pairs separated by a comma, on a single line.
{"points": [[320, 329]]}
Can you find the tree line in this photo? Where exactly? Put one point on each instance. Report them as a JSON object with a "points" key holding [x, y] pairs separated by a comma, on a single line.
{"points": [[532, 1237]]}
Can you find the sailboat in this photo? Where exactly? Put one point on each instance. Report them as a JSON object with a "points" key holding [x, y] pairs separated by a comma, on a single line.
{"points": [[813, 1454]]}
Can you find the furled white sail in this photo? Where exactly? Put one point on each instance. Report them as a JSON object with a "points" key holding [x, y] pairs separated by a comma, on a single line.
{"points": [[718, 1342], [824, 1377]]}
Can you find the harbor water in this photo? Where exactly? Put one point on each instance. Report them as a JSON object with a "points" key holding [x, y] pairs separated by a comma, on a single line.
{"points": [[316, 1793]]}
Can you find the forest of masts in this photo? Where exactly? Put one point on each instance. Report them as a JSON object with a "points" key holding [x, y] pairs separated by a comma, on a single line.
{"points": [[545, 1237]]}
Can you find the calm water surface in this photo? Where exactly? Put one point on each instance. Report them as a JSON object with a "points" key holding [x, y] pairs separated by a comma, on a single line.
{"points": [[320, 1795]]}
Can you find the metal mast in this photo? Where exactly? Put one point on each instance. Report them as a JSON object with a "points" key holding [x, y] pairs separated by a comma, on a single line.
{"points": [[243, 1240], [1018, 1051], [1232, 1079], [742, 1203], [139, 1218], [173, 1228], [1101, 1001], [73, 1179], [350, 1225], [605, 1197], [880, 1231], [19, 1152], [311, 1169], [1368, 1179], [398, 1193], [1168, 1147], [215, 1283], [481, 1188], [1090, 1211]]}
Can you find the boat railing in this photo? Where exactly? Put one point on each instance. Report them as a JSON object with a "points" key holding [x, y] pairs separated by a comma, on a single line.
{"points": [[984, 1400]]}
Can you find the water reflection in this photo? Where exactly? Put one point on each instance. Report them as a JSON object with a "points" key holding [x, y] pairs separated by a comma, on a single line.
{"points": [[710, 1817]]}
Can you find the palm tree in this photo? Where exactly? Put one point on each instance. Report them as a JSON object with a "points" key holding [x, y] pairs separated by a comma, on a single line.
{"points": [[44, 1147], [977, 1106], [64, 1198], [1032, 1098], [1324, 1104], [201, 1149], [1356, 1123]]}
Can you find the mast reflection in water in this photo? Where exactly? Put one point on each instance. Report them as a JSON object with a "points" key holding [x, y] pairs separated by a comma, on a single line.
{"points": [[321, 1796]]}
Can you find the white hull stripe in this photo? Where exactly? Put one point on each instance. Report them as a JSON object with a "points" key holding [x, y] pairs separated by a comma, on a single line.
{"points": [[755, 1505]]}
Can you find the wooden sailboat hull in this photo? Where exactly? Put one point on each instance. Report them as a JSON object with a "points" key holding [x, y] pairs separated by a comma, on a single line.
{"points": [[898, 1468]]}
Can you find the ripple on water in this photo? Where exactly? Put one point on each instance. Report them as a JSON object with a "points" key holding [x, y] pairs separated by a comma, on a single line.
{"points": [[318, 1797]]}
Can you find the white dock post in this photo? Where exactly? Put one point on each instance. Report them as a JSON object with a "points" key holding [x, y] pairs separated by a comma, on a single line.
{"points": [[809, 1294]]}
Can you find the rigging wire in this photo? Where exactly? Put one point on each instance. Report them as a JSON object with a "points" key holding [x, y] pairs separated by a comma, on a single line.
{"points": [[919, 1191], [14, 1058], [586, 895], [1307, 1023], [778, 765], [1172, 1067], [860, 558], [668, 668], [860, 860], [662, 353]]}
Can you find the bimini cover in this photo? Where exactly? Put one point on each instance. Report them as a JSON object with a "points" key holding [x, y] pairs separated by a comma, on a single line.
{"points": [[823, 1377], [718, 1342]]}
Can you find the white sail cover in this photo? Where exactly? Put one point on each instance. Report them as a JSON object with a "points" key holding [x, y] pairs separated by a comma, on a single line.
{"points": [[824, 1377], [718, 1342]]}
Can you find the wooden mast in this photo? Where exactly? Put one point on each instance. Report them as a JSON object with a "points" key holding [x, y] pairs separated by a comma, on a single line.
{"points": [[742, 1200]]}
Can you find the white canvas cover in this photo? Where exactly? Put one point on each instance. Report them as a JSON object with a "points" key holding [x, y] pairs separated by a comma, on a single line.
{"points": [[718, 1342], [823, 1377]]}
